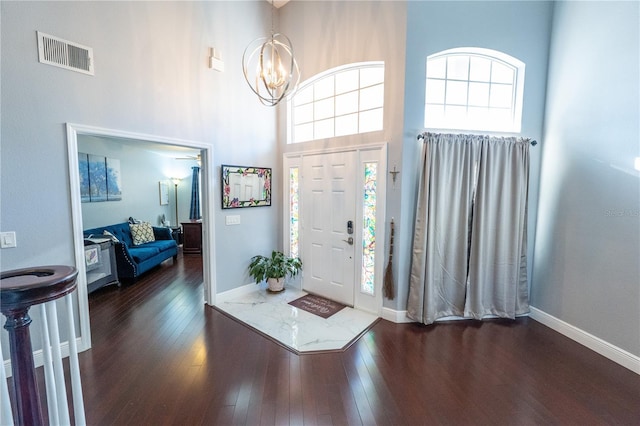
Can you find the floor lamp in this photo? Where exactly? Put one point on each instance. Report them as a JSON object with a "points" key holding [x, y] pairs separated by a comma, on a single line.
{"points": [[176, 181]]}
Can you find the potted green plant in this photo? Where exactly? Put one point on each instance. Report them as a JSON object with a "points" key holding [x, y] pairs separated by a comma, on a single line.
{"points": [[274, 269]]}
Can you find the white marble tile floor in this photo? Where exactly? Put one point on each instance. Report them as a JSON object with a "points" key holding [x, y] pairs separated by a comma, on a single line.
{"points": [[298, 330]]}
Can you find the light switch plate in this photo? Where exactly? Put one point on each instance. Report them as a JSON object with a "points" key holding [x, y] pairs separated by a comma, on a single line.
{"points": [[232, 219], [7, 239]]}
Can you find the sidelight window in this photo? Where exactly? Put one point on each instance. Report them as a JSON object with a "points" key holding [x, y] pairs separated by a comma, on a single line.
{"points": [[369, 206], [294, 206]]}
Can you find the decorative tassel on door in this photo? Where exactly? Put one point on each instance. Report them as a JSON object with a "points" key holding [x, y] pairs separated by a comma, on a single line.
{"points": [[389, 291]]}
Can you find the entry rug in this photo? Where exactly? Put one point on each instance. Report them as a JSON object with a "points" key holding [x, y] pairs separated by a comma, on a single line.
{"points": [[317, 305]]}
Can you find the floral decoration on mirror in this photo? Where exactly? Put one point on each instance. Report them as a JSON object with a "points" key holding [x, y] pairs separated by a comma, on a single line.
{"points": [[245, 186]]}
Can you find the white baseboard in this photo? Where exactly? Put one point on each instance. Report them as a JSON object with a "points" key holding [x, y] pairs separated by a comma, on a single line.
{"points": [[236, 292], [38, 356], [606, 349], [398, 317], [401, 316]]}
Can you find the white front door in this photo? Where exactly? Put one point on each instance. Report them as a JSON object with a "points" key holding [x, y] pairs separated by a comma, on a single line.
{"points": [[327, 193], [329, 217]]}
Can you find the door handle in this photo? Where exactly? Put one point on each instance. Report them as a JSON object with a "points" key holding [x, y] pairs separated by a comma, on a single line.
{"points": [[349, 241]]}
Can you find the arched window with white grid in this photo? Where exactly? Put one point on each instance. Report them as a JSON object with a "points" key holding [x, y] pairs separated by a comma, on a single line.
{"points": [[474, 89], [342, 101]]}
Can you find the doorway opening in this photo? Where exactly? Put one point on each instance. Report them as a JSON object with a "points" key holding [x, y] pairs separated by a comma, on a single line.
{"points": [[208, 241]]}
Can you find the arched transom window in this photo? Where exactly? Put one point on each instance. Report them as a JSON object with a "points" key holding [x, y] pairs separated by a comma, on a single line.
{"points": [[474, 89], [341, 101]]}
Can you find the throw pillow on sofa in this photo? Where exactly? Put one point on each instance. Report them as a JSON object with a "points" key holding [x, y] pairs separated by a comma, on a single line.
{"points": [[141, 233]]}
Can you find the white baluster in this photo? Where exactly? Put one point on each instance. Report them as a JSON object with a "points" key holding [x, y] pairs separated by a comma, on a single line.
{"points": [[6, 416], [50, 381], [61, 389], [74, 367]]}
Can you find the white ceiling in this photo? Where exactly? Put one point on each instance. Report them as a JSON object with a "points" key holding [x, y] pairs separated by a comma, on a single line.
{"points": [[164, 150], [168, 150], [278, 3]]}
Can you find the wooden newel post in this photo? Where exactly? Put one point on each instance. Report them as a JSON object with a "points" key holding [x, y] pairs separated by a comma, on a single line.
{"points": [[25, 388], [19, 290]]}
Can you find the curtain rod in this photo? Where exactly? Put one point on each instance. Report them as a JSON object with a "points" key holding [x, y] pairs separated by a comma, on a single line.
{"points": [[533, 142]]}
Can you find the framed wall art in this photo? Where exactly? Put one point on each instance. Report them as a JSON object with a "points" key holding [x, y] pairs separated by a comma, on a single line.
{"points": [[99, 178], [245, 186], [164, 193]]}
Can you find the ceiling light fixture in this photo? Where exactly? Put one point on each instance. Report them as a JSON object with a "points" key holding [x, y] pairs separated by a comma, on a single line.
{"points": [[276, 71]]}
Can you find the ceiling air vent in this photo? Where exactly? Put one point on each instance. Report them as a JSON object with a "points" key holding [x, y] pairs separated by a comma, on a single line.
{"points": [[65, 54]]}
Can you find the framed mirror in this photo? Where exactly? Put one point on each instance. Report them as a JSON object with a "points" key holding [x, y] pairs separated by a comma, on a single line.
{"points": [[245, 186]]}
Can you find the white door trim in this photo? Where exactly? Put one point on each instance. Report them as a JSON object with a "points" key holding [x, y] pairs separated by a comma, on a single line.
{"points": [[208, 240], [294, 159], [360, 147]]}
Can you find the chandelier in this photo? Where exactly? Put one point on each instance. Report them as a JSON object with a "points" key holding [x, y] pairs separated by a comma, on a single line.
{"points": [[276, 71]]}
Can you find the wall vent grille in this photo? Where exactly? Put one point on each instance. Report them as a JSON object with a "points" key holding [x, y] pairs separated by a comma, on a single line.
{"points": [[65, 54]]}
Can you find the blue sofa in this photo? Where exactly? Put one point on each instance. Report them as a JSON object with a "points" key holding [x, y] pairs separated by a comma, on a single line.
{"points": [[132, 261]]}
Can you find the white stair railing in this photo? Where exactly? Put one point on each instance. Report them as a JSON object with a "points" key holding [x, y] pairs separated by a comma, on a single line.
{"points": [[6, 416], [55, 387]]}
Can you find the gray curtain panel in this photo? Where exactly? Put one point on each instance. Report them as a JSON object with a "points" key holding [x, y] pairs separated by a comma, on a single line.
{"points": [[194, 210], [469, 249]]}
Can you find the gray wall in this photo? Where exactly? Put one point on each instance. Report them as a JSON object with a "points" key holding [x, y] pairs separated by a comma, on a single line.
{"points": [[151, 77], [587, 253], [520, 29]]}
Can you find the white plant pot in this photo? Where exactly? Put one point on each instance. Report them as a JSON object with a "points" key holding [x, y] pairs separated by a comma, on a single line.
{"points": [[275, 284]]}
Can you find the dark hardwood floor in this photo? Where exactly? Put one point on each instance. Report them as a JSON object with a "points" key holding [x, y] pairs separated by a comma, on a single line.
{"points": [[160, 356]]}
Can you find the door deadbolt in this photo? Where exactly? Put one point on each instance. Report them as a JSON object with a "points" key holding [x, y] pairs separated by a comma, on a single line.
{"points": [[349, 241], [349, 227]]}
